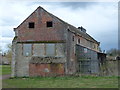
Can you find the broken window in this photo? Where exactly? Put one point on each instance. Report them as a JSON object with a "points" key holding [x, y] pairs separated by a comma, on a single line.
{"points": [[50, 49], [49, 24], [27, 49], [31, 24], [85, 50]]}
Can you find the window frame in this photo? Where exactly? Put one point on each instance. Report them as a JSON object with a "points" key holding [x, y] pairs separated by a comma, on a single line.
{"points": [[23, 52]]}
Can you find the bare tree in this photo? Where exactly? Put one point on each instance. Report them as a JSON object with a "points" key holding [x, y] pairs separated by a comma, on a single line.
{"points": [[113, 52], [0, 50], [9, 52]]}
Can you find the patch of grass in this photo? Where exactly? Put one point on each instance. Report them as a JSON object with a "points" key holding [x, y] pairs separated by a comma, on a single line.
{"points": [[5, 69], [58, 82], [62, 82]]}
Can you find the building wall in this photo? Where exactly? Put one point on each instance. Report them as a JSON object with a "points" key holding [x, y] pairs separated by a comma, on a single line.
{"points": [[40, 32], [21, 63], [70, 53], [53, 69], [87, 60], [71, 41], [42, 35]]}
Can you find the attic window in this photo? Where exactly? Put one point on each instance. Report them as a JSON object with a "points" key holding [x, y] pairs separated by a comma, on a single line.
{"points": [[49, 24], [31, 24]]}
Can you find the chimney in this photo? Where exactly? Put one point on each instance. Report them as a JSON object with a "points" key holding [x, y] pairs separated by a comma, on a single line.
{"points": [[82, 29]]}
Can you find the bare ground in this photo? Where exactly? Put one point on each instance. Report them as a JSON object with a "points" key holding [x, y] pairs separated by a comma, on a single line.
{"points": [[4, 76]]}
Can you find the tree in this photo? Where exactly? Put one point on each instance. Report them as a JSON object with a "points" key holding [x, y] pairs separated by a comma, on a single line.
{"points": [[9, 52], [0, 50], [113, 52]]}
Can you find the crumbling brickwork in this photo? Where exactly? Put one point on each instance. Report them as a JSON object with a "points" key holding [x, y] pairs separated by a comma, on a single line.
{"points": [[54, 69]]}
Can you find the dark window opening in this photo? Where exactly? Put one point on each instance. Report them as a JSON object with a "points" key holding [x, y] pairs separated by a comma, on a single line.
{"points": [[49, 24], [78, 40], [73, 38], [31, 25]]}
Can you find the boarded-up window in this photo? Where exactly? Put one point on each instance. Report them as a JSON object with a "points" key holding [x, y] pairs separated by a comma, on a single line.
{"points": [[27, 49], [50, 49]]}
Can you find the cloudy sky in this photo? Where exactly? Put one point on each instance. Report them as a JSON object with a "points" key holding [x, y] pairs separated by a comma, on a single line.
{"points": [[100, 19]]}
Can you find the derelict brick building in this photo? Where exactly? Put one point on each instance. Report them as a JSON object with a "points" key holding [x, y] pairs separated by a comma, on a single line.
{"points": [[44, 45]]}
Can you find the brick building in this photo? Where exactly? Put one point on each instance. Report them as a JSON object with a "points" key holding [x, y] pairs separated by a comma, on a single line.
{"points": [[45, 45]]}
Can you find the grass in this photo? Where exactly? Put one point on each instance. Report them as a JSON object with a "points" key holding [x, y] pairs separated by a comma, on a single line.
{"points": [[59, 82], [62, 82], [5, 69]]}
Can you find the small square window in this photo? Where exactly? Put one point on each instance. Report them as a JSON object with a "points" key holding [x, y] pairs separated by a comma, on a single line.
{"points": [[31, 24], [49, 24]]}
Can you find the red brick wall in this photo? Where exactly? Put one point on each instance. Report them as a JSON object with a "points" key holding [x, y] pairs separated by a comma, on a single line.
{"points": [[46, 69], [40, 32]]}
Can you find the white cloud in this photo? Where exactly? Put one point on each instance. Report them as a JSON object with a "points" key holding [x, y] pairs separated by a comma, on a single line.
{"points": [[99, 19]]}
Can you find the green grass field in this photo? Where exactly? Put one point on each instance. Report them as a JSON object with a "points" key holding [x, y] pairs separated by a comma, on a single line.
{"points": [[5, 69], [60, 82]]}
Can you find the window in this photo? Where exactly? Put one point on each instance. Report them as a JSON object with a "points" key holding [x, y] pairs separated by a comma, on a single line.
{"points": [[85, 50], [78, 40], [73, 38], [31, 24], [27, 49], [50, 49], [49, 24]]}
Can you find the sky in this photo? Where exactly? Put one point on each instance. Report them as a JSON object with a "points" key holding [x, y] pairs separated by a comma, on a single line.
{"points": [[100, 19]]}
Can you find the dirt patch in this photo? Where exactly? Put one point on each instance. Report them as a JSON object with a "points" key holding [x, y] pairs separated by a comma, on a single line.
{"points": [[5, 76]]}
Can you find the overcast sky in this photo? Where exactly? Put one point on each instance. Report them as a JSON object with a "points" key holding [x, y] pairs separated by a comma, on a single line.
{"points": [[100, 19]]}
